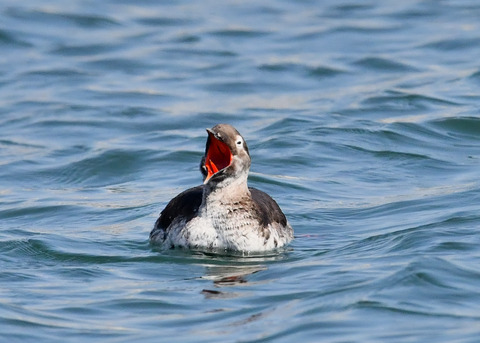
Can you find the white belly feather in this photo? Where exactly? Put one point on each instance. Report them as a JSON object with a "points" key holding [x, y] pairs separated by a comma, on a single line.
{"points": [[225, 229]]}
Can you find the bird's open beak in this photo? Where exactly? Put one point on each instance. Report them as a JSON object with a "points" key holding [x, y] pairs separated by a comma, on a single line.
{"points": [[218, 155]]}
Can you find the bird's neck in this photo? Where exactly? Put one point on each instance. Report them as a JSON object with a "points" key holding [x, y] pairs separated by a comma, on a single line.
{"points": [[229, 190]]}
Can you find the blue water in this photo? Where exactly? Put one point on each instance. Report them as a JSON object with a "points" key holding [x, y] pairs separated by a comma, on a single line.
{"points": [[363, 122]]}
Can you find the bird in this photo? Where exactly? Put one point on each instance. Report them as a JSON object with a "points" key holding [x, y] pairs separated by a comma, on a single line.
{"points": [[223, 213]]}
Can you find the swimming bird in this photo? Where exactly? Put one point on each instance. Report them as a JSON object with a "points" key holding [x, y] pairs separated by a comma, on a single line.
{"points": [[223, 213]]}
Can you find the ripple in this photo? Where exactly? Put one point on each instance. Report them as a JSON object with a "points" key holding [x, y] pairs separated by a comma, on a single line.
{"points": [[9, 38], [383, 64], [58, 73], [475, 76], [364, 28], [428, 276], [238, 33], [350, 9], [79, 20], [301, 70], [126, 65], [454, 44], [460, 127], [106, 168], [181, 52], [165, 21], [235, 87], [401, 101], [36, 212], [84, 49]]}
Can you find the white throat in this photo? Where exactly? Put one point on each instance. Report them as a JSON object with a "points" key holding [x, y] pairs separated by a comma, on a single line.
{"points": [[227, 190]]}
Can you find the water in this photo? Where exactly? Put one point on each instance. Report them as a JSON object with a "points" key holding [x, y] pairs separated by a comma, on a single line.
{"points": [[362, 120]]}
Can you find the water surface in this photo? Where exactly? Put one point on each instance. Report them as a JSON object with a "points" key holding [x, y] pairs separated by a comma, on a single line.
{"points": [[362, 119]]}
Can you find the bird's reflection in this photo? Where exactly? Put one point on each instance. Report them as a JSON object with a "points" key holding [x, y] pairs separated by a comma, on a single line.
{"points": [[233, 271], [230, 275]]}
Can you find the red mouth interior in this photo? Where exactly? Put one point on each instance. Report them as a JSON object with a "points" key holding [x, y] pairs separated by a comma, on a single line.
{"points": [[218, 156]]}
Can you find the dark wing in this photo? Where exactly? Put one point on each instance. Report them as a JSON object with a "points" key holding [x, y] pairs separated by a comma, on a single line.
{"points": [[267, 209], [184, 205]]}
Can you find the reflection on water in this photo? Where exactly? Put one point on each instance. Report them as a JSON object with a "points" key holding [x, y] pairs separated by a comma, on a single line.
{"points": [[231, 275]]}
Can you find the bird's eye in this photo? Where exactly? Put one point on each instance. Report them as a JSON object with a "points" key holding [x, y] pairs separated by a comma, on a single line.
{"points": [[239, 142]]}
